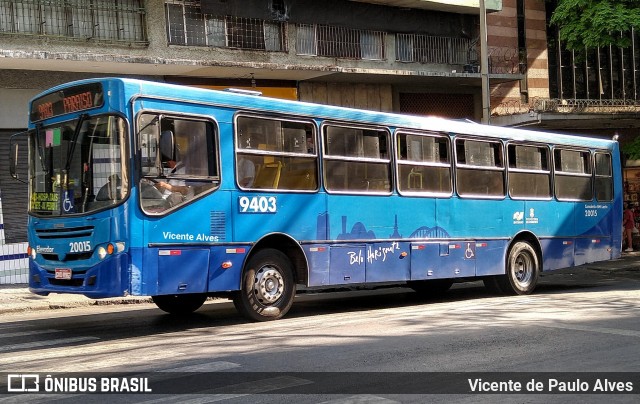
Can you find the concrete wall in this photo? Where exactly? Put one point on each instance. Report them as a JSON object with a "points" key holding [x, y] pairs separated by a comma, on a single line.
{"points": [[375, 97]]}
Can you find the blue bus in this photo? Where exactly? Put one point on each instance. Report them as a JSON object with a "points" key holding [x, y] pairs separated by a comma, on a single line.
{"points": [[179, 193]]}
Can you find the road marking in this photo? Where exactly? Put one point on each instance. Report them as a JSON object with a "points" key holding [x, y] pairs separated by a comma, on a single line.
{"points": [[26, 333], [601, 330], [39, 344], [362, 398], [193, 398], [260, 386], [233, 391], [203, 367]]}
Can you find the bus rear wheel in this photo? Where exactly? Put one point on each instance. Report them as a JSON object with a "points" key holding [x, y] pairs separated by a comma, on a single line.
{"points": [[522, 270], [268, 287], [179, 304]]}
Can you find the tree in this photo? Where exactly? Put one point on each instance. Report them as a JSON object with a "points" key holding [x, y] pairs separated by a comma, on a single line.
{"points": [[596, 23]]}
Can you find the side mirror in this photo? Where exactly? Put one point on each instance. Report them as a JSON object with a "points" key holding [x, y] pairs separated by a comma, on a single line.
{"points": [[13, 158]]}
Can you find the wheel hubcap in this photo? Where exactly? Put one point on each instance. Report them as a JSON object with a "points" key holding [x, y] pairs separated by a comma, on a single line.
{"points": [[269, 285], [523, 269]]}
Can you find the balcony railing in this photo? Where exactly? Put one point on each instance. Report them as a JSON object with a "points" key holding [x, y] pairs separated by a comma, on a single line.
{"points": [[567, 106], [586, 106]]}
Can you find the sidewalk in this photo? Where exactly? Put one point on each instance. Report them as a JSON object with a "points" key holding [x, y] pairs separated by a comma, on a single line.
{"points": [[17, 298]]}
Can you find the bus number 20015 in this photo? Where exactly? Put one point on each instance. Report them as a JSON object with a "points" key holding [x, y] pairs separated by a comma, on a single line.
{"points": [[258, 204]]}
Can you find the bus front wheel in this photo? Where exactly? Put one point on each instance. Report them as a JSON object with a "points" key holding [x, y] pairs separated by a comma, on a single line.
{"points": [[179, 304], [522, 270], [268, 287]]}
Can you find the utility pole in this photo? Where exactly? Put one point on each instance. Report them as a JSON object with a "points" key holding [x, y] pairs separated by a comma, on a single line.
{"points": [[484, 65]]}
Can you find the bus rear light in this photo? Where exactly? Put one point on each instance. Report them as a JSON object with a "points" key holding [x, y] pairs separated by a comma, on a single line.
{"points": [[227, 265]]}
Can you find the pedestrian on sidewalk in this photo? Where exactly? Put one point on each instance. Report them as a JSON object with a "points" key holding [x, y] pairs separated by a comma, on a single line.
{"points": [[629, 223]]}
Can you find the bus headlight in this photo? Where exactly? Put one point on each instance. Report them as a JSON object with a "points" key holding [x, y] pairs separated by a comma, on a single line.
{"points": [[32, 252], [102, 253], [110, 249]]}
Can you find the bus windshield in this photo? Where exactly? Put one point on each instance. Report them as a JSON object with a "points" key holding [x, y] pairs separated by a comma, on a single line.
{"points": [[77, 166]]}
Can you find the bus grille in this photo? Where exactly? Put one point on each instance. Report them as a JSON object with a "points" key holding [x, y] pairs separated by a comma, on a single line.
{"points": [[48, 234], [68, 257], [68, 282]]}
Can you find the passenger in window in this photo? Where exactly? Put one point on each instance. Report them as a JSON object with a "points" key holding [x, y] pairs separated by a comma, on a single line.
{"points": [[311, 148], [174, 190], [246, 172]]}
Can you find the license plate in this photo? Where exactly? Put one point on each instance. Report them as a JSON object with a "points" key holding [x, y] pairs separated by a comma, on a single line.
{"points": [[63, 273]]}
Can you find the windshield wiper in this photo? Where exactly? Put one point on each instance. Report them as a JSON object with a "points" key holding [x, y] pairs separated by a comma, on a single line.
{"points": [[40, 151], [74, 140]]}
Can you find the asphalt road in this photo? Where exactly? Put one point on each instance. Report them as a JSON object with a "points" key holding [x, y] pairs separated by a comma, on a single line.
{"points": [[584, 321]]}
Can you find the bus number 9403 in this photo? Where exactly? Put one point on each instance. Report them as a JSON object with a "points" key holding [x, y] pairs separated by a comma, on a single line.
{"points": [[258, 204]]}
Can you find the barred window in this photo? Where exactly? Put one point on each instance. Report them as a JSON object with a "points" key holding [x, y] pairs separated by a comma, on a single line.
{"points": [[432, 49], [341, 42], [99, 20], [187, 25]]}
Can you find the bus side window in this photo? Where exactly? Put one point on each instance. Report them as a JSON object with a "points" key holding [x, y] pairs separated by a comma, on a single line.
{"points": [[480, 168], [529, 171], [185, 153], [573, 179], [423, 164], [275, 153], [357, 159], [604, 177]]}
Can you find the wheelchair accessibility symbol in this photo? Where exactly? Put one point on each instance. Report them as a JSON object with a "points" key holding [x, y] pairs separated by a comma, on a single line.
{"points": [[470, 251], [67, 202]]}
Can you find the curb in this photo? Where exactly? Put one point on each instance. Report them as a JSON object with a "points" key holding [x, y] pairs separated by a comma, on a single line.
{"points": [[19, 299]]}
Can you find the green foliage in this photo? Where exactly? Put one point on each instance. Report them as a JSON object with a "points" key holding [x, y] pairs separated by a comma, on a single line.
{"points": [[596, 23], [632, 149]]}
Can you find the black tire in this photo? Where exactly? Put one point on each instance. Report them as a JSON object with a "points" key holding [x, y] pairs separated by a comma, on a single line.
{"points": [[268, 288], [522, 270], [180, 304], [433, 287]]}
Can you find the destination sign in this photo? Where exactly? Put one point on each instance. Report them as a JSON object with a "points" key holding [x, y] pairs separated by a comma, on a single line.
{"points": [[45, 201], [68, 100]]}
